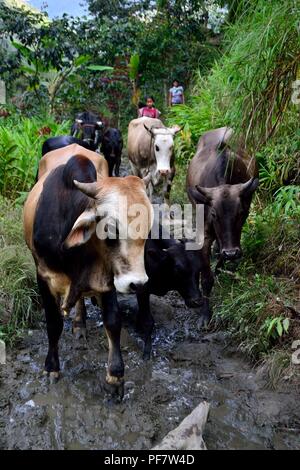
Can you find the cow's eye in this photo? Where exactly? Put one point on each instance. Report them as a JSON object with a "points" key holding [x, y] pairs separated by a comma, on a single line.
{"points": [[213, 214], [157, 148]]}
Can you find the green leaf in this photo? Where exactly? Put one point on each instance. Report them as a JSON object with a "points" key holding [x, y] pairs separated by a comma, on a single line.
{"points": [[279, 328], [271, 325], [99, 68], [134, 66], [82, 59], [28, 69], [25, 51], [286, 324]]}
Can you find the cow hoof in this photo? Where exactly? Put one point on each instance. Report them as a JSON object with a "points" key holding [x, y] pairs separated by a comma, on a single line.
{"points": [[146, 355], [53, 376], [79, 332], [203, 323], [114, 389]]}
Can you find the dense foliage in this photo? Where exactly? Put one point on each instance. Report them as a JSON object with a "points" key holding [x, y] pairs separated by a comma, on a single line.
{"points": [[55, 64]]}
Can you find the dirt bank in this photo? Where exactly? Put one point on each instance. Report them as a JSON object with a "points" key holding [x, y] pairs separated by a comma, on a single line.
{"points": [[187, 367]]}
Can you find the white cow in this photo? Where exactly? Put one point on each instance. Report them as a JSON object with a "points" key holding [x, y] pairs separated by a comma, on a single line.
{"points": [[151, 153]]}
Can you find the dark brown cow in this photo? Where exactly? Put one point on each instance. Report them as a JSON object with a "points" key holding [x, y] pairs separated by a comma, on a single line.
{"points": [[224, 181], [62, 217]]}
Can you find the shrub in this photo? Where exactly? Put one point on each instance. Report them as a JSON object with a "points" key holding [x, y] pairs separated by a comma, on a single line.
{"points": [[20, 151]]}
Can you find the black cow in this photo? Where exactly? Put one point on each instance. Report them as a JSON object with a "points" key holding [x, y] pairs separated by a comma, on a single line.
{"points": [[170, 267], [54, 143], [111, 147], [224, 181], [88, 127]]}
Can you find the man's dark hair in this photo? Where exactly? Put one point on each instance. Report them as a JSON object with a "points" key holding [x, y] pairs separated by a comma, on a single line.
{"points": [[149, 97]]}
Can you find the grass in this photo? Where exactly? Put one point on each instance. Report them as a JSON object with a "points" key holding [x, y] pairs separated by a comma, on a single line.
{"points": [[19, 305], [20, 151]]}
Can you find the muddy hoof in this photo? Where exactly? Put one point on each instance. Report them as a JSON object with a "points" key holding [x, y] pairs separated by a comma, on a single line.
{"points": [[114, 392], [79, 332], [146, 356], [147, 353], [203, 323], [53, 376]]}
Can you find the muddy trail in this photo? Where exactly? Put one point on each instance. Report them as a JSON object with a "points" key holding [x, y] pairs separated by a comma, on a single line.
{"points": [[187, 367]]}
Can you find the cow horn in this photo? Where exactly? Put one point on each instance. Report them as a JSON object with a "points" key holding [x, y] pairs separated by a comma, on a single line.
{"points": [[249, 187], [149, 130], [79, 121], [204, 191], [90, 189]]}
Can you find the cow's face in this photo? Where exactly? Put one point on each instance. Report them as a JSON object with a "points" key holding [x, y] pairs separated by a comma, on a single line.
{"points": [[227, 208], [163, 146], [89, 132], [118, 223]]}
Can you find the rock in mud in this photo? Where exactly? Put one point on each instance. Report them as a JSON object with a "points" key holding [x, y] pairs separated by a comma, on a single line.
{"points": [[193, 353], [188, 435]]}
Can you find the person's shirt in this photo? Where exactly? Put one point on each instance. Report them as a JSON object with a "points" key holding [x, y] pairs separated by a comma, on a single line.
{"points": [[149, 112], [176, 93]]}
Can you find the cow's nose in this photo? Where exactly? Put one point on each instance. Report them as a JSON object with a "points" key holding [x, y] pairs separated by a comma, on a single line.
{"points": [[136, 286], [232, 254], [164, 172]]}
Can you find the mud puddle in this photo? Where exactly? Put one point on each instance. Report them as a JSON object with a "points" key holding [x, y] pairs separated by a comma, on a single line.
{"points": [[187, 367]]}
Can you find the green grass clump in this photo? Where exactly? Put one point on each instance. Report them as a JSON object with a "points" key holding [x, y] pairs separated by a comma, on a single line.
{"points": [[20, 151], [254, 309], [19, 304]]}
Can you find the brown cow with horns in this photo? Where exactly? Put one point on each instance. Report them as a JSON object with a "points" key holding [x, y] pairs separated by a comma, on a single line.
{"points": [[71, 206]]}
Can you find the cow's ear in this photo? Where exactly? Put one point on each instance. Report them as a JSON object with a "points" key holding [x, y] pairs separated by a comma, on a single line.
{"points": [[175, 129], [199, 195], [82, 230], [248, 188]]}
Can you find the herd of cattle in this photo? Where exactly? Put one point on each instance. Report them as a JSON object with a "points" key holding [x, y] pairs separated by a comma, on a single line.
{"points": [[64, 208]]}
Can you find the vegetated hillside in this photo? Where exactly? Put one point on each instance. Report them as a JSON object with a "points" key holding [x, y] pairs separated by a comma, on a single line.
{"points": [[250, 88]]}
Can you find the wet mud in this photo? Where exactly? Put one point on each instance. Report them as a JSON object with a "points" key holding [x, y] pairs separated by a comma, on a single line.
{"points": [[187, 366]]}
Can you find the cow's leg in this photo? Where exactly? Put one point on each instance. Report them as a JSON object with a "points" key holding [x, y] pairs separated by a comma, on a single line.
{"points": [[111, 163], [167, 191], [219, 266], [54, 323], [207, 282], [134, 169], [79, 322], [112, 325], [117, 167], [145, 322]]}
